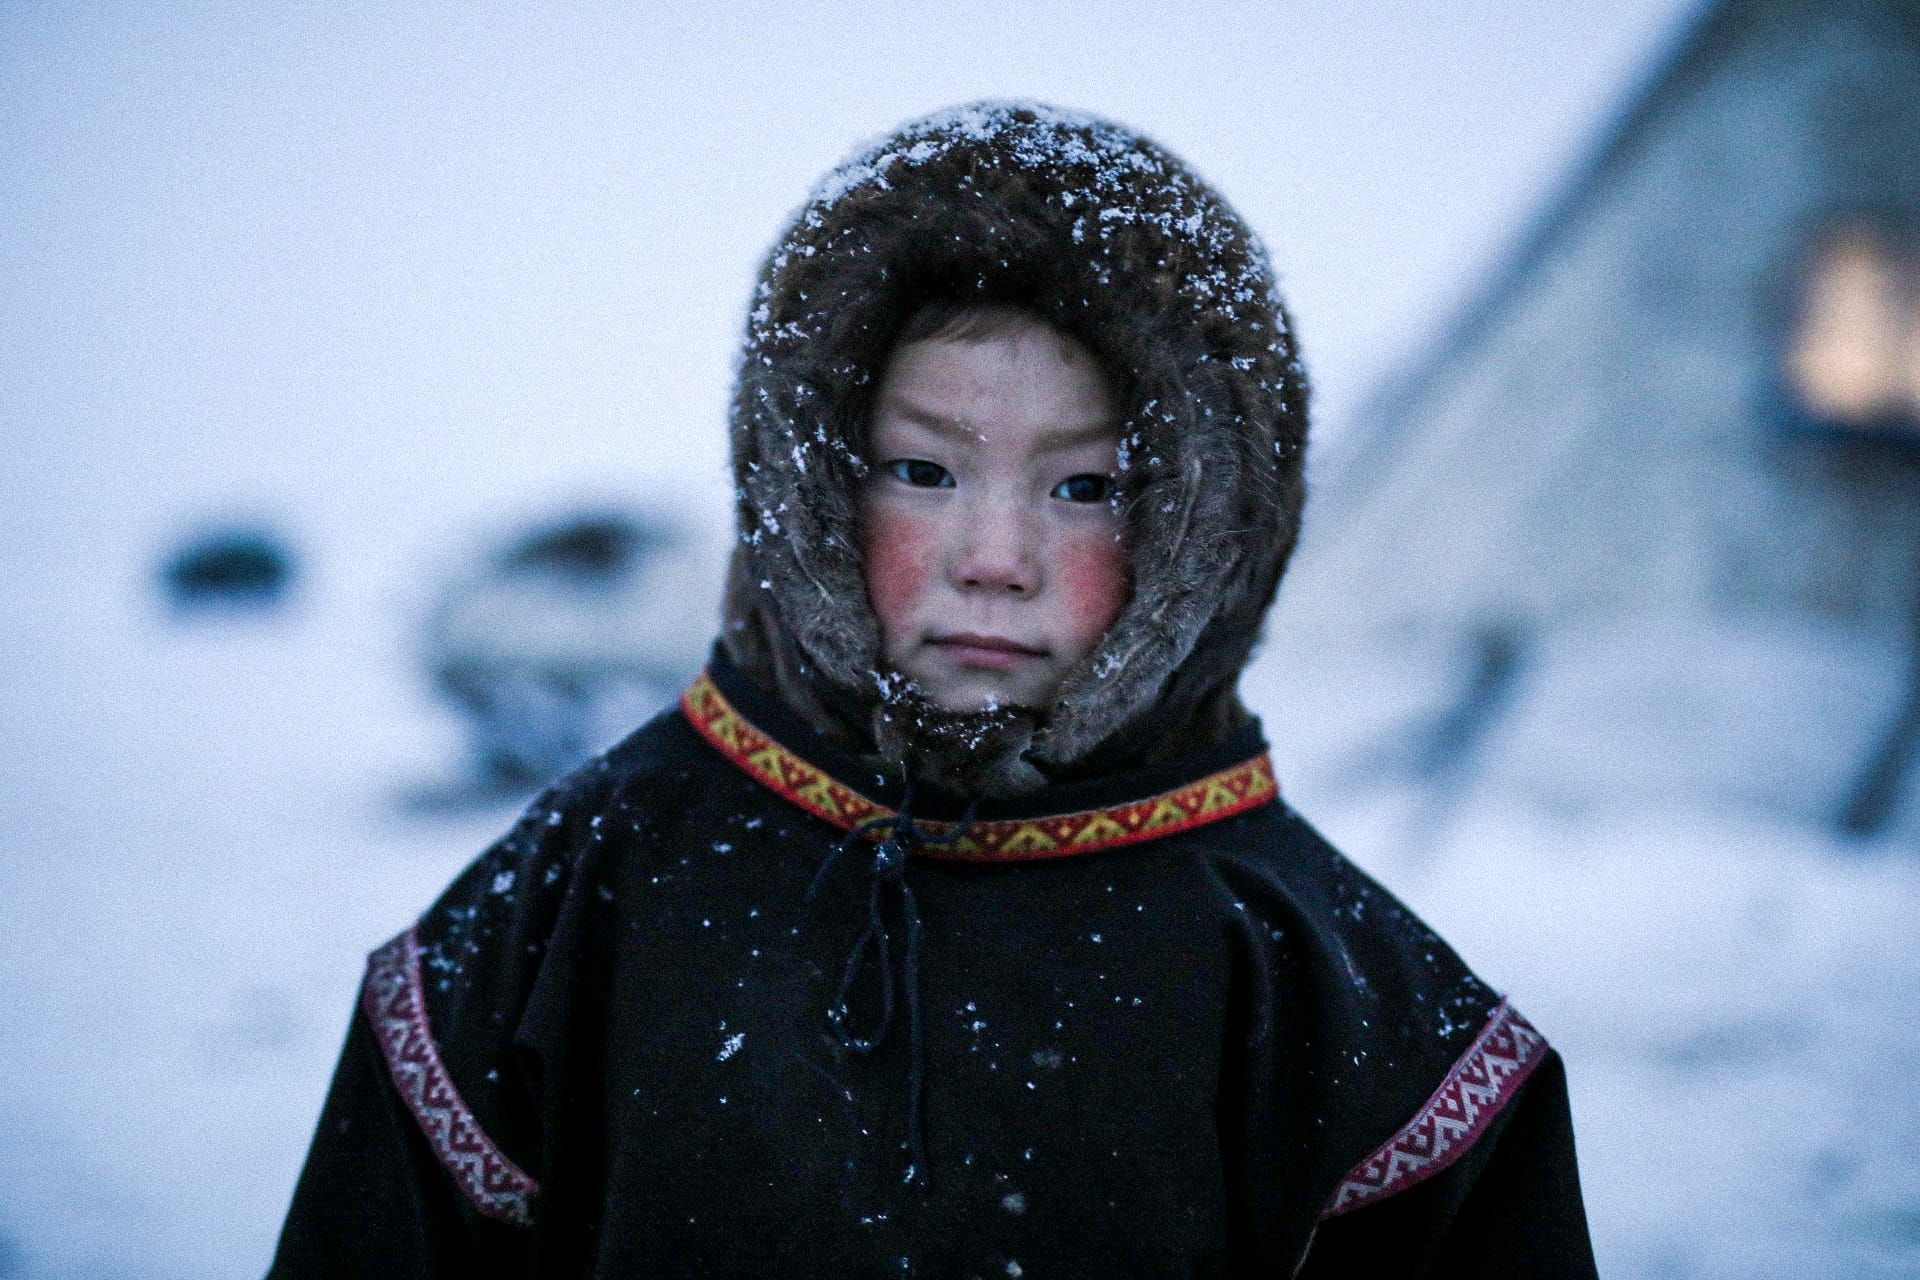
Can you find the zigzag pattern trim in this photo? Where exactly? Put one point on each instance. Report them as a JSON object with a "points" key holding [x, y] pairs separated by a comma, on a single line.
{"points": [[1212, 798], [396, 1006], [1478, 1086]]}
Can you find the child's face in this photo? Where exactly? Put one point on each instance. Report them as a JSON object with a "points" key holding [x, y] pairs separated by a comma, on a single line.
{"points": [[994, 557]]}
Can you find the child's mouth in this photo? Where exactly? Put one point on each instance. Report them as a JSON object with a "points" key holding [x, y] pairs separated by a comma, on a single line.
{"points": [[992, 653]]}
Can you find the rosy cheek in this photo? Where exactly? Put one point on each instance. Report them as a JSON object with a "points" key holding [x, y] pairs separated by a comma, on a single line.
{"points": [[900, 553], [1093, 580]]}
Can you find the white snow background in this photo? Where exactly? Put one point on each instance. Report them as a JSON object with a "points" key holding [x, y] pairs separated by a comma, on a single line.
{"points": [[396, 279]]}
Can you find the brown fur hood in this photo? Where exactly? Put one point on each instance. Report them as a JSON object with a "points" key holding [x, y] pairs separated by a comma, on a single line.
{"points": [[1115, 241]]}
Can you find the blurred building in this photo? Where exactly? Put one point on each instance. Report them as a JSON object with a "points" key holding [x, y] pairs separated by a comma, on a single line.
{"points": [[1643, 526]]}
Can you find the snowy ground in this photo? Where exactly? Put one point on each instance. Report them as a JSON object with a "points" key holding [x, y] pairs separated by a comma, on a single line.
{"points": [[1737, 1006]]}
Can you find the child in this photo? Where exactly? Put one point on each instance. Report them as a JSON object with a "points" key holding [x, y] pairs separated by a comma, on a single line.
{"points": [[953, 925]]}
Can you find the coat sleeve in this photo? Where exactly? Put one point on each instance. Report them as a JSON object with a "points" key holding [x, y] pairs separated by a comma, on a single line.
{"points": [[1510, 1207], [420, 1165], [373, 1199]]}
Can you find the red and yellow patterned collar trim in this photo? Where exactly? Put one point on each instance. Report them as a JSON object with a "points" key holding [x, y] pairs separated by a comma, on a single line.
{"points": [[1218, 795]]}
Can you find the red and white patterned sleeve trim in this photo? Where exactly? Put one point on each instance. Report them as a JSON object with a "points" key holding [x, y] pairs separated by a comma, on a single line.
{"points": [[395, 1004], [1479, 1085]]}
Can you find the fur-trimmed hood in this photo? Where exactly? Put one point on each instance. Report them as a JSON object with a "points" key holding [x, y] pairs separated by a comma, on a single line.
{"points": [[1115, 241]]}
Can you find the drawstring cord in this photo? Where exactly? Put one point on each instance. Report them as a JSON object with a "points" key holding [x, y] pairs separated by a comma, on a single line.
{"points": [[901, 837]]}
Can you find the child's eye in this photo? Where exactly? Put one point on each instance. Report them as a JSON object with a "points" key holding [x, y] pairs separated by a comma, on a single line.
{"points": [[921, 474], [1084, 488]]}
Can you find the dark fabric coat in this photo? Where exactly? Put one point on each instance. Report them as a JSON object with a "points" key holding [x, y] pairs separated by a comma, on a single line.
{"points": [[1207, 1045]]}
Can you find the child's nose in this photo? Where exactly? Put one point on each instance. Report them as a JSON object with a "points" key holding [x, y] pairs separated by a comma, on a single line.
{"points": [[996, 553]]}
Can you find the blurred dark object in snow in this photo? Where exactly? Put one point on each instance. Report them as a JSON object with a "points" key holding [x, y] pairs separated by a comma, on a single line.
{"points": [[591, 549], [1876, 795], [231, 568], [562, 642]]}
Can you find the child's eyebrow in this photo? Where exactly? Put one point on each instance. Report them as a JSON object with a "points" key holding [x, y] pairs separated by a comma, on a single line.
{"points": [[1071, 436], [1095, 431]]}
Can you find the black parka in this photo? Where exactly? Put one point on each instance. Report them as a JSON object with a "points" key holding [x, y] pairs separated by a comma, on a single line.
{"points": [[1196, 1042]]}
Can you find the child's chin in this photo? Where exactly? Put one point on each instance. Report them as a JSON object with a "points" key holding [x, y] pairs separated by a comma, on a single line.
{"points": [[972, 697]]}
